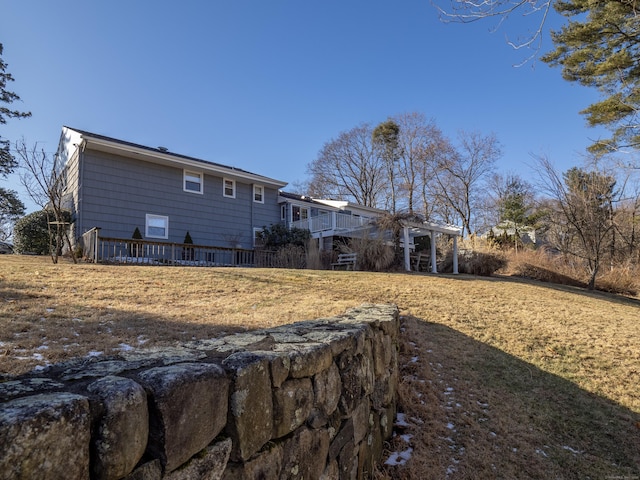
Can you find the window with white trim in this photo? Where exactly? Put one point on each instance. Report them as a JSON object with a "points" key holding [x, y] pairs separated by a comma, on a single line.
{"points": [[258, 241], [156, 226], [192, 182], [299, 213], [283, 211], [229, 188], [258, 193]]}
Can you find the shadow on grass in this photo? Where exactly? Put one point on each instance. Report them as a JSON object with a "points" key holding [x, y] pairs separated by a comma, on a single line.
{"points": [[506, 418], [599, 294]]}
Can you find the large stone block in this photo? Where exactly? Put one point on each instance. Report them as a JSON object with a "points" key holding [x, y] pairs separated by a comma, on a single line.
{"points": [[207, 465], [188, 408], [250, 421], [264, 465], [327, 387], [292, 404], [279, 365], [122, 430], [361, 424], [352, 375], [45, 436], [305, 454], [342, 438], [147, 471], [309, 359]]}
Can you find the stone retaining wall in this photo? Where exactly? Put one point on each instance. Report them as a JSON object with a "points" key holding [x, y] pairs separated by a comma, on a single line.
{"points": [[311, 400]]}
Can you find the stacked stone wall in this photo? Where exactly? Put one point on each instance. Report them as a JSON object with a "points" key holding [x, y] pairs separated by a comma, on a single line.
{"points": [[310, 400]]}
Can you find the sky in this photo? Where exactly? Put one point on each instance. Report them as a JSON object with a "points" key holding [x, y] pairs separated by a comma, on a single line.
{"points": [[262, 86]]}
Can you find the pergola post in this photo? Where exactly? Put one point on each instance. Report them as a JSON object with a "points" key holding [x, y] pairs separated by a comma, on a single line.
{"points": [[407, 257], [455, 255], [434, 267]]}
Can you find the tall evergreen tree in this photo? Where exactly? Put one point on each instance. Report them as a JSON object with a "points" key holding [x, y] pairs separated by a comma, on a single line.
{"points": [[7, 161], [600, 47]]}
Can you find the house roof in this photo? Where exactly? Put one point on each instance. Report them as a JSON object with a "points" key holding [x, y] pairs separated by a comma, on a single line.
{"points": [[335, 204], [72, 138]]}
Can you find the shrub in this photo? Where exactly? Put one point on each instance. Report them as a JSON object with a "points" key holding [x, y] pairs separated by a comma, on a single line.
{"points": [[374, 254], [279, 235], [619, 280], [483, 264], [31, 234]]}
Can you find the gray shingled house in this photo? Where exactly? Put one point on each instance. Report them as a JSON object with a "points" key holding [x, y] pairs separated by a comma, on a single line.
{"points": [[118, 186]]}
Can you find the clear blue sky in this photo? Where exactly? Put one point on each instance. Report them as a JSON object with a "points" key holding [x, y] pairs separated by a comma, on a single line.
{"points": [[262, 85]]}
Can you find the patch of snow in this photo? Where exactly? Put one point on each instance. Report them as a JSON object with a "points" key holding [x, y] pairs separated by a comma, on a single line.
{"points": [[43, 347], [575, 452], [49, 310], [401, 420], [399, 458], [124, 347], [142, 340], [541, 452], [93, 353], [76, 319], [451, 426], [406, 437], [37, 356], [414, 359], [493, 434]]}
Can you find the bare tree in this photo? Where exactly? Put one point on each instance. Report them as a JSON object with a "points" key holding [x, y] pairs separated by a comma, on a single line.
{"points": [[461, 177], [583, 219], [44, 178], [420, 144], [385, 138], [536, 13], [347, 168]]}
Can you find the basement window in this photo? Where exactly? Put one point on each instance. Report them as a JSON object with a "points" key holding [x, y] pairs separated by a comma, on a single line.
{"points": [[156, 226]]}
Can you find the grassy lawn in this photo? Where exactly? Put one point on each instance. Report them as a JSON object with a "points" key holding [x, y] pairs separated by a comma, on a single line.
{"points": [[501, 378]]}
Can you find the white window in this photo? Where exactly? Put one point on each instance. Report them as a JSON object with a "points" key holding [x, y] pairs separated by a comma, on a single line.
{"points": [[192, 182], [229, 188], [157, 226], [299, 213], [258, 193]]}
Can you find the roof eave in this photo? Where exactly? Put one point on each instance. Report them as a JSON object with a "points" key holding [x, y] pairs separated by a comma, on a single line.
{"points": [[171, 159]]}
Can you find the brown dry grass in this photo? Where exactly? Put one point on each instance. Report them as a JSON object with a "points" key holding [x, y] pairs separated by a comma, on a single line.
{"points": [[501, 378]]}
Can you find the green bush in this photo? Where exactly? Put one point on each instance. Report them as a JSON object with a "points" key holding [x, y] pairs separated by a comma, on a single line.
{"points": [[278, 235], [31, 234]]}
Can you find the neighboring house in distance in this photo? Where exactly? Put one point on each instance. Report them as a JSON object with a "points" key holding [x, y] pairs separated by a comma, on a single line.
{"points": [[119, 186], [527, 234]]}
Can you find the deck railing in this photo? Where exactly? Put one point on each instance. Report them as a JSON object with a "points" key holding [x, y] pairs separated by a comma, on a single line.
{"points": [[145, 252], [332, 221]]}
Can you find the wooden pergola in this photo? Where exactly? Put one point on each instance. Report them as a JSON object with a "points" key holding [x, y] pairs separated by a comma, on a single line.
{"points": [[417, 229]]}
